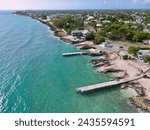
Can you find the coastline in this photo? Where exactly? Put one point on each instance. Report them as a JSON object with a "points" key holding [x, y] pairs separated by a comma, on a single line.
{"points": [[57, 31], [135, 100], [42, 74], [130, 68]]}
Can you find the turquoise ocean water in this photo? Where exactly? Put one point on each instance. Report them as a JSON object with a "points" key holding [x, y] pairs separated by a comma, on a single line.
{"points": [[34, 77]]}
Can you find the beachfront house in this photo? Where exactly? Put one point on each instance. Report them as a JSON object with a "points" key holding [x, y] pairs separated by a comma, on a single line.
{"points": [[142, 53], [106, 44], [79, 33]]}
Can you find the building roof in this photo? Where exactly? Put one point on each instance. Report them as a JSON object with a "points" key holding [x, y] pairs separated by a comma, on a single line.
{"points": [[145, 52], [80, 31]]}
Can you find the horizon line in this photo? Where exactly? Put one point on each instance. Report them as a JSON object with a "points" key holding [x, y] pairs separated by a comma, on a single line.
{"points": [[73, 9]]}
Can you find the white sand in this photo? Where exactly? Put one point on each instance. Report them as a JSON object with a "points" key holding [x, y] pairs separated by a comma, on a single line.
{"points": [[132, 67]]}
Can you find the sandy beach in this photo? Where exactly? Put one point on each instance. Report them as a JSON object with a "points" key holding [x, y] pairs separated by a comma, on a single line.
{"points": [[131, 67]]}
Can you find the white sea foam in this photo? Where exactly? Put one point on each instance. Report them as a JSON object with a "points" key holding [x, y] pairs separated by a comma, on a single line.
{"points": [[1, 100]]}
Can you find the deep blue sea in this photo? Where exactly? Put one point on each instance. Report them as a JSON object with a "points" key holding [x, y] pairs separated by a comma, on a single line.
{"points": [[34, 77]]}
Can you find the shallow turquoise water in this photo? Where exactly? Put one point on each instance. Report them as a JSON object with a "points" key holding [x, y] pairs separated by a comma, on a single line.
{"points": [[34, 77]]}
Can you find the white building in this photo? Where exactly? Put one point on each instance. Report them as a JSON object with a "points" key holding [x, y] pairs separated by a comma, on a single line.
{"points": [[90, 18], [99, 25], [142, 53], [106, 45], [79, 33], [146, 30], [146, 42], [106, 21]]}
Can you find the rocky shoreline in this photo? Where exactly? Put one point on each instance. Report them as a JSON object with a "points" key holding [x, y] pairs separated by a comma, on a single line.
{"points": [[140, 102], [58, 32]]}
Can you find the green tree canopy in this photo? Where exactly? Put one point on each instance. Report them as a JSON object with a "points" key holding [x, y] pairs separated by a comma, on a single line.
{"points": [[99, 38], [147, 59], [90, 36], [139, 36], [133, 50]]}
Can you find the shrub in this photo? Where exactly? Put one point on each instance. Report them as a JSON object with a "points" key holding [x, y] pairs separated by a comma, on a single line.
{"points": [[133, 50], [147, 59], [125, 57], [99, 39], [90, 36]]}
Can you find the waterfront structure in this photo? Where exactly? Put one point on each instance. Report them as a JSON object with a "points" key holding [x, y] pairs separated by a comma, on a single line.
{"points": [[79, 33], [106, 44], [142, 53]]}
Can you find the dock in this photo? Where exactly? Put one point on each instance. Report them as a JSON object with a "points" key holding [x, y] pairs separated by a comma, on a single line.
{"points": [[108, 84], [73, 53], [82, 53]]}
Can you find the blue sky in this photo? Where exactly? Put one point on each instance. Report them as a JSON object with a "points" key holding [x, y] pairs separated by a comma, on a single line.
{"points": [[74, 4]]}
